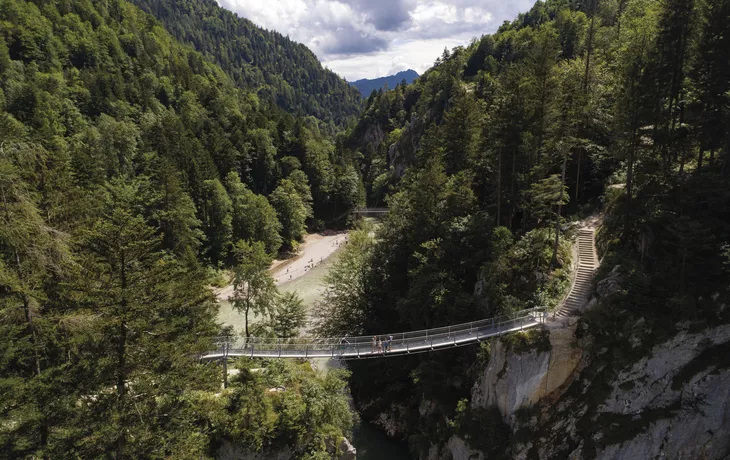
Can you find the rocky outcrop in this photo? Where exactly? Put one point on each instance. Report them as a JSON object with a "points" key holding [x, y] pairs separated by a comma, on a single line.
{"points": [[673, 403], [460, 450], [611, 284], [346, 451], [393, 422], [374, 135], [513, 380], [677, 399]]}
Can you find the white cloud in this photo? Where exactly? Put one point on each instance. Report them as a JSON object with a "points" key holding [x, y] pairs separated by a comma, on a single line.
{"points": [[418, 55], [372, 38]]}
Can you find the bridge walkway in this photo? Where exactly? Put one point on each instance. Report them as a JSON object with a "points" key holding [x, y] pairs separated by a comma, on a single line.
{"points": [[362, 347]]}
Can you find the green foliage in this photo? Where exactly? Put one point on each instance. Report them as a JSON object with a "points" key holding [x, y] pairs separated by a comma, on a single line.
{"points": [[341, 312], [544, 196], [216, 210], [141, 297], [272, 65], [283, 403], [526, 341], [110, 93], [253, 217], [532, 123], [291, 210], [290, 315], [254, 290]]}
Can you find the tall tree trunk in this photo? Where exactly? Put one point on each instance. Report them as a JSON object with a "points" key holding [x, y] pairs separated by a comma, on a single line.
{"points": [[122, 361], [28, 317], [512, 197], [499, 187], [700, 157], [541, 133], [681, 164], [554, 261], [621, 8], [28, 314], [630, 184], [225, 365], [577, 176], [589, 48]]}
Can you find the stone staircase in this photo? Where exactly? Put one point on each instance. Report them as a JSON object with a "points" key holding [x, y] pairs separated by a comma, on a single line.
{"points": [[587, 264]]}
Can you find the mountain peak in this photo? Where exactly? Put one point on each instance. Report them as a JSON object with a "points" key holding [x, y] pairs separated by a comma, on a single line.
{"points": [[367, 86]]}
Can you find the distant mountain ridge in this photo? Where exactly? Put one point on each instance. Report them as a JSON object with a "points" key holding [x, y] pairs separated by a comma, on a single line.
{"points": [[366, 86], [277, 68]]}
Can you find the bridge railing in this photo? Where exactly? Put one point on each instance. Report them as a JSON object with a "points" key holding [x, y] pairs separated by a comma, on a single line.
{"points": [[364, 344]]}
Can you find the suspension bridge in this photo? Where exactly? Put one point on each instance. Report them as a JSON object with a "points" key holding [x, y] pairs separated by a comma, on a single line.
{"points": [[402, 343], [363, 347]]}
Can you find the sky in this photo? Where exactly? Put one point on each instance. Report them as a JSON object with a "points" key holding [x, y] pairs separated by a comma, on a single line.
{"points": [[374, 38]]}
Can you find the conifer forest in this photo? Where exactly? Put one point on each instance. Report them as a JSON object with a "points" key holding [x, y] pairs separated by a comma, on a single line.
{"points": [[156, 153]]}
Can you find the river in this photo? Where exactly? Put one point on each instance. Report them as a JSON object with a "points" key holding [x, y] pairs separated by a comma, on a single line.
{"points": [[371, 444]]}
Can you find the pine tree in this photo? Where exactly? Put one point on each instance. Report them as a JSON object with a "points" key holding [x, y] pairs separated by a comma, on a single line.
{"points": [[217, 220], [31, 252], [153, 314]]}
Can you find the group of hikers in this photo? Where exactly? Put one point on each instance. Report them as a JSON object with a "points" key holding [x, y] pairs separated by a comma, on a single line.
{"points": [[338, 243], [382, 345], [310, 264]]}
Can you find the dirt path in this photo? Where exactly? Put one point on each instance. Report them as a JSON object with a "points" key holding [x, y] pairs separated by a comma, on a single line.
{"points": [[313, 252]]}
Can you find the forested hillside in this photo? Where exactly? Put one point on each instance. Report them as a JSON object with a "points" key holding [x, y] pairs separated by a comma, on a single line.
{"points": [[621, 106], [129, 165], [266, 62], [133, 167]]}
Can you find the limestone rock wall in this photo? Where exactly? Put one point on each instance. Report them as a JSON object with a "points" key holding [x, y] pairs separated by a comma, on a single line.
{"points": [[680, 397], [673, 403], [514, 380]]}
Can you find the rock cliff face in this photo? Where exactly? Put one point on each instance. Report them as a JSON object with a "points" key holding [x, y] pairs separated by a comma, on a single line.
{"points": [[562, 402], [513, 380], [673, 403], [677, 400]]}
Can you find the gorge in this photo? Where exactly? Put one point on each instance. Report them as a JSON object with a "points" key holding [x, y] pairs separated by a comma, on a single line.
{"points": [[172, 173]]}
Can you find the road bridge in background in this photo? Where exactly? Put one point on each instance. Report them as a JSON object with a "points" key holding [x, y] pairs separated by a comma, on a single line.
{"points": [[370, 212]]}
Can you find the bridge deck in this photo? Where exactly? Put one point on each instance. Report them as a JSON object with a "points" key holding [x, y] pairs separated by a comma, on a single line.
{"points": [[362, 347]]}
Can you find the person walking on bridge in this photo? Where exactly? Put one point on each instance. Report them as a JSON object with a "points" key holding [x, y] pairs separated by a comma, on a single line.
{"points": [[374, 342], [380, 346]]}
